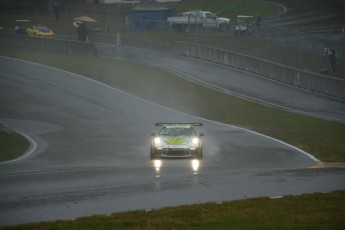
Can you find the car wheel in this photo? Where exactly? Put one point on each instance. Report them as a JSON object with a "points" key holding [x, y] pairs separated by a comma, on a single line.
{"points": [[223, 27]]}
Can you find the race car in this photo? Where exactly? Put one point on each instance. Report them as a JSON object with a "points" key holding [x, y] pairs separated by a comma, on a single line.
{"points": [[177, 140], [40, 31]]}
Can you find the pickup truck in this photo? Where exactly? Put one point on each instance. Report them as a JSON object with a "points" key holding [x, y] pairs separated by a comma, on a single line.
{"points": [[187, 21]]}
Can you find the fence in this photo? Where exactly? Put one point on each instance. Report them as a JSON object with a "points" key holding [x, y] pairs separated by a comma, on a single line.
{"points": [[310, 81], [307, 44], [314, 82], [47, 44]]}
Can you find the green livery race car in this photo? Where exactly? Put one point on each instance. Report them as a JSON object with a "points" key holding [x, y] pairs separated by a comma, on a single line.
{"points": [[177, 140]]}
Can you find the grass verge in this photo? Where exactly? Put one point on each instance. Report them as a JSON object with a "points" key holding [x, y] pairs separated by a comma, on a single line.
{"points": [[315, 211], [323, 139], [12, 144]]}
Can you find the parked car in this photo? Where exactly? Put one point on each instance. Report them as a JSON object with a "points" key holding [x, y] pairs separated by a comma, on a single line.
{"points": [[40, 31], [187, 21]]}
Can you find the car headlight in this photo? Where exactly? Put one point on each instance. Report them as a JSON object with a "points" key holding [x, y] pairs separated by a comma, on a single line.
{"points": [[157, 140], [195, 141]]}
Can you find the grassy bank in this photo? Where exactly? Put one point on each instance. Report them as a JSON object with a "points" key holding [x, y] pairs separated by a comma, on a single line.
{"points": [[323, 139], [316, 211]]}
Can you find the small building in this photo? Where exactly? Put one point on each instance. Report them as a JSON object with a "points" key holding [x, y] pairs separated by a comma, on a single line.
{"points": [[149, 15]]}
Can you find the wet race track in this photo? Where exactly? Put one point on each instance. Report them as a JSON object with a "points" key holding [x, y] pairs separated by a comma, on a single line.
{"points": [[90, 151]]}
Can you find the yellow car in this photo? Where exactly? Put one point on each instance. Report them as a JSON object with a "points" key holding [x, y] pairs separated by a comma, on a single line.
{"points": [[40, 31]]}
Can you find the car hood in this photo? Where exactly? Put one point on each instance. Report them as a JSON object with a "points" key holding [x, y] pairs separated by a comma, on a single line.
{"points": [[178, 140], [224, 20]]}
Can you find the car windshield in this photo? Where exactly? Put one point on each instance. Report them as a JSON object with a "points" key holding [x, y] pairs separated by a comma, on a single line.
{"points": [[177, 131]]}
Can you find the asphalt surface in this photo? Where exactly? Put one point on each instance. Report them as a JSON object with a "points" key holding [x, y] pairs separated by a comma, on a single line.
{"points": [[317, 17], [90, 150]]}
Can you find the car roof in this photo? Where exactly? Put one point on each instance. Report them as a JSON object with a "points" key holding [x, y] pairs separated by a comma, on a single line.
{"points": [[177, 126], [244, 16], [22, 20]]}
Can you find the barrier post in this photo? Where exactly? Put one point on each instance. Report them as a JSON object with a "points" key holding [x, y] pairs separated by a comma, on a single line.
{"points": [[118, 39]]}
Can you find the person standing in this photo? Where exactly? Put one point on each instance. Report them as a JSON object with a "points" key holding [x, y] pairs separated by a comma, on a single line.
{"points": [[330, 57], [333, 59], [82, 32]]}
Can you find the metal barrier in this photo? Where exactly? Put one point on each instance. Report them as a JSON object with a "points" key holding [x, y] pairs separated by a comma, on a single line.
{"points": [[310, 81], [47, 44], [314, 82], [307, 43]]}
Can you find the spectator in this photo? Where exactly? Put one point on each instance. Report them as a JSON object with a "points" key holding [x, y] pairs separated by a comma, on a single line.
{"points": [[330, 57], [333, 59], [82, 32]]}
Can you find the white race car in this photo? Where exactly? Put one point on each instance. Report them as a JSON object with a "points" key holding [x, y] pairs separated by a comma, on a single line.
{"points": [[177, 140]]}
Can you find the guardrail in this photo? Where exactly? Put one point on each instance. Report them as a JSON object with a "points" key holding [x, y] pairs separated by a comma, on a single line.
{"points": [[47, 44], [306, 80], [314, 82]]}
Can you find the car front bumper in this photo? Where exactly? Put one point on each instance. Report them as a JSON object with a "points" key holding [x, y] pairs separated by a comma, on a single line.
{"points": [[177, 152]]}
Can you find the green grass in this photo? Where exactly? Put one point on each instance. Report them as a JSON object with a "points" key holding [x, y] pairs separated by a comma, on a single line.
{"points": [[315, 211], [323, 139], [12, 144]]}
